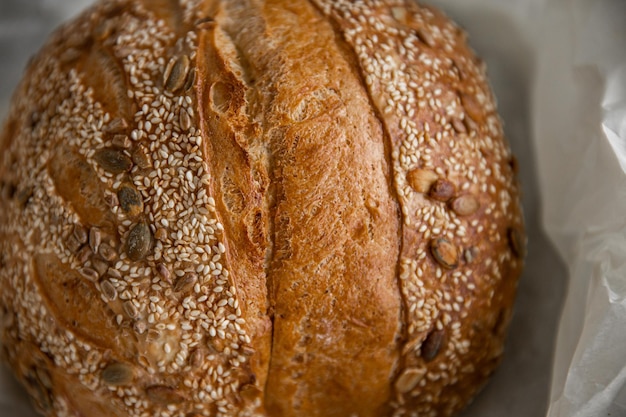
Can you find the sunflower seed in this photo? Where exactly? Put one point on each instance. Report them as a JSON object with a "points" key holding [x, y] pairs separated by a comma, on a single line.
{"points": [[470, 254], [113, 160], [141, 158], [442, 190], [472, 107], [458, 125], [421, 179], [107, 252], [465, 205], [176, 72], [184, 120], [186, 282], [121, 141], [164, 273], [108, 290], [409, 379], [130, 200], [432, 345], [139, 242], [89, 273], [72, 244], [80, 233], [117, 374], [130, 309], [44, 377], [444, 252], [95, 238], [425, 36], [196, 359], [116, 126], [161, 234], [140, 327], [99, 265], [84, 254], [163, 395]]}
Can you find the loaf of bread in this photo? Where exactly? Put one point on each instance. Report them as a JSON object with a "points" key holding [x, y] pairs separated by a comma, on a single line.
{"points": [[278, 208]]}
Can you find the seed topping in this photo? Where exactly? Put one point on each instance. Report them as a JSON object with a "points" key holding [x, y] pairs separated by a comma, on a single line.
{"points": [[113, 160], [444, 252], [139, 242]]}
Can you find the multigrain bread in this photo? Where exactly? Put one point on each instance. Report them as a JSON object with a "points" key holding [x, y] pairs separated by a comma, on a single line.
{"points": [[256, 208]]}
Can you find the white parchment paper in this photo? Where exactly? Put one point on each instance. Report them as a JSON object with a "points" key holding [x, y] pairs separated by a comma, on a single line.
{"points": [[558, 68]]}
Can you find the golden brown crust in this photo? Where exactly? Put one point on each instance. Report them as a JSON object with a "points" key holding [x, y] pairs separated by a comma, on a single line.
{"points": [[256, 208]]}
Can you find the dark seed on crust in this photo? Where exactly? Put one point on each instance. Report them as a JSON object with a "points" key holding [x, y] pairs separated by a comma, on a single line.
{"points": [[432, 345], [176, 72], [186, 282], [163, 395], [516, 242], [130, 200], [113, 160], [139, 242], [465, 205], [442, 190], [184, 120], [445, 253], [117, 374]]}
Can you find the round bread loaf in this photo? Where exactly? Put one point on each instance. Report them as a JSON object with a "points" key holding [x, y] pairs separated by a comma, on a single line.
{"points": [[270, 208]]}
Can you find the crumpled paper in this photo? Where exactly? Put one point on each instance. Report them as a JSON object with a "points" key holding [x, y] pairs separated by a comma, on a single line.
{"points": [[558, 69]]}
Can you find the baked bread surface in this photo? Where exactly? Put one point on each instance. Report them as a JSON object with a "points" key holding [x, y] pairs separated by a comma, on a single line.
{"points": [[256, 208]]}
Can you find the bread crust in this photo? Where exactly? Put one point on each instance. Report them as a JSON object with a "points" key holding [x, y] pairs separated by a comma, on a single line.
{"points": [[256, 208]]}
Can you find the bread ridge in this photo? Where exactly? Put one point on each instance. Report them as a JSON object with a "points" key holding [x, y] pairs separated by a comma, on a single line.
{"points": [[404, 91]]}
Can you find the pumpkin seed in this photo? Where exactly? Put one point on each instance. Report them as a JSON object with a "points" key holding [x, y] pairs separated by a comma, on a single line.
{"points": [[164, 395], [117, 374], [409, 379], [465, 205], [130, 200], [442, 190], [473, 109], [421, 179], [444, 252], [139, 242], [176, 72], [113, 160], [432, 345]]}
